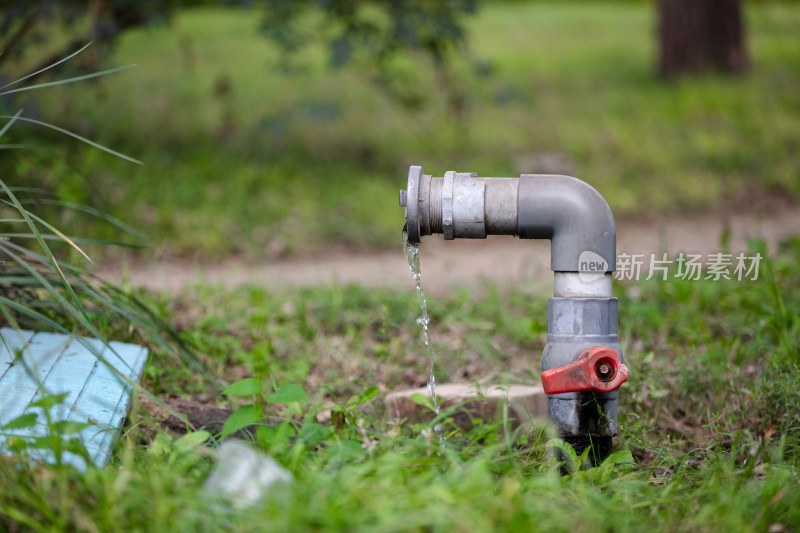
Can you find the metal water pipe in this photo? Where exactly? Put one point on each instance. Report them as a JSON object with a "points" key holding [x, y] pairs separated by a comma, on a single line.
{"points": [[582, 363]]}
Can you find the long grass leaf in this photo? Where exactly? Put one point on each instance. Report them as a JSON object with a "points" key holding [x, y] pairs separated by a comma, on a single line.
{"points": [[81, 318], [60, 234], [92, 212], [41, 279], [67, 80], [15, 146], [11, 121], [100, 215], [146, 320], [48, 67], [43, 244], [83, 240], [75, 136], [143, 319], [34, 190], [42, 259]]}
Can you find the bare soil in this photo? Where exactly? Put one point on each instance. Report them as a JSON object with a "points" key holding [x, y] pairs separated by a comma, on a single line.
{"points": [[462, 263]]}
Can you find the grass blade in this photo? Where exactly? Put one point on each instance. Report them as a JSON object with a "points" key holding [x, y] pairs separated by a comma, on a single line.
{"points": [[71, 134], [11, 121], [67, 80], [59, 233], [48, 67], [71, 239], [102, 216]]}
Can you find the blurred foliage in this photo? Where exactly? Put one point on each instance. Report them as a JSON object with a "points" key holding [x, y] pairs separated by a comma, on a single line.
{"points": [[54, 29], [245, 158], [38, 289], [375, 30]]}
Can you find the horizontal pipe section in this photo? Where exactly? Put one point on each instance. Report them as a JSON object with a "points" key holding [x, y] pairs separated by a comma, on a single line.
{"points": [[566, 210], [500, 208]]}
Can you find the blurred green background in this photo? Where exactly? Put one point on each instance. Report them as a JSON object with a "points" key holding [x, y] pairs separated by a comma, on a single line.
{"points": [[247, 152]]}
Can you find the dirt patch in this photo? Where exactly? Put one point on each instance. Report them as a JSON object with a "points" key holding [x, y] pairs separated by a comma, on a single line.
{"points": [[199, 415], [462, 263]]}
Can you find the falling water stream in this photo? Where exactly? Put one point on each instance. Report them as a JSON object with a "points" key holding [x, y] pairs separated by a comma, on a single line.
{"points": [[412, 254]]}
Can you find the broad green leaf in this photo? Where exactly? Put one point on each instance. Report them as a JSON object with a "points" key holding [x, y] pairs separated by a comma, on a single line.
{"points": [[568, 455], [275, 438], [15, 444], [244, 387], [49, 401], [368, 395], [67, 427], [77, 447], [160, 445], [346, 451], [420, 399], [312, 434], [240, 419], [193, 439], [622, 459], [27, 420], [288, 393], [620, 456], [47, 442]]}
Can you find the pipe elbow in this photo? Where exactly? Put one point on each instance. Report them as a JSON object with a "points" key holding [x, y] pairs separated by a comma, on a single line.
{"points": [[574, 216]]}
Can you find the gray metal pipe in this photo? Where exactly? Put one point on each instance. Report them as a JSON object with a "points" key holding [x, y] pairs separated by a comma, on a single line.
{"points": [[582, 315]]}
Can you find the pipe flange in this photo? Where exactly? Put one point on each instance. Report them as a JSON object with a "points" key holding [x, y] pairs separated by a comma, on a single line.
{"points": [[412, 204]]}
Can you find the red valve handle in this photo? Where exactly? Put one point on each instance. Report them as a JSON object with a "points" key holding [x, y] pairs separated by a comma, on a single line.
{"points": [[597, 368]]}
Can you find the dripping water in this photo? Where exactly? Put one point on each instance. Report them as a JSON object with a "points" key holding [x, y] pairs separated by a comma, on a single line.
{"points": [[412, 254]]}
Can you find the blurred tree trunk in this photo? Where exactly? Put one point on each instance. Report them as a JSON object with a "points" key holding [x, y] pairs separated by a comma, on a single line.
{"points": [[701, 35]]}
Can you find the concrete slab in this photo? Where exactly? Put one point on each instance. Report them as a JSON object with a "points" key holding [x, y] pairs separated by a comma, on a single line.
{"points": [[525, 402]]}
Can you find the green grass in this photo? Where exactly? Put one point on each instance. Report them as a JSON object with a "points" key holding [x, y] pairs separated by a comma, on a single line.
{"points": [[709, 438], [241, 158]]}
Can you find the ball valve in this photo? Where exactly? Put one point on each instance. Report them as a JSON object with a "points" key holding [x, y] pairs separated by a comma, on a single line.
{"points": [[582, 363], [598, 369]]}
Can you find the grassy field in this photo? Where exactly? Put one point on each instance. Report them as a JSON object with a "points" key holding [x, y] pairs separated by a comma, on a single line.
{"points": [[241, 158], [709, 438]]}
